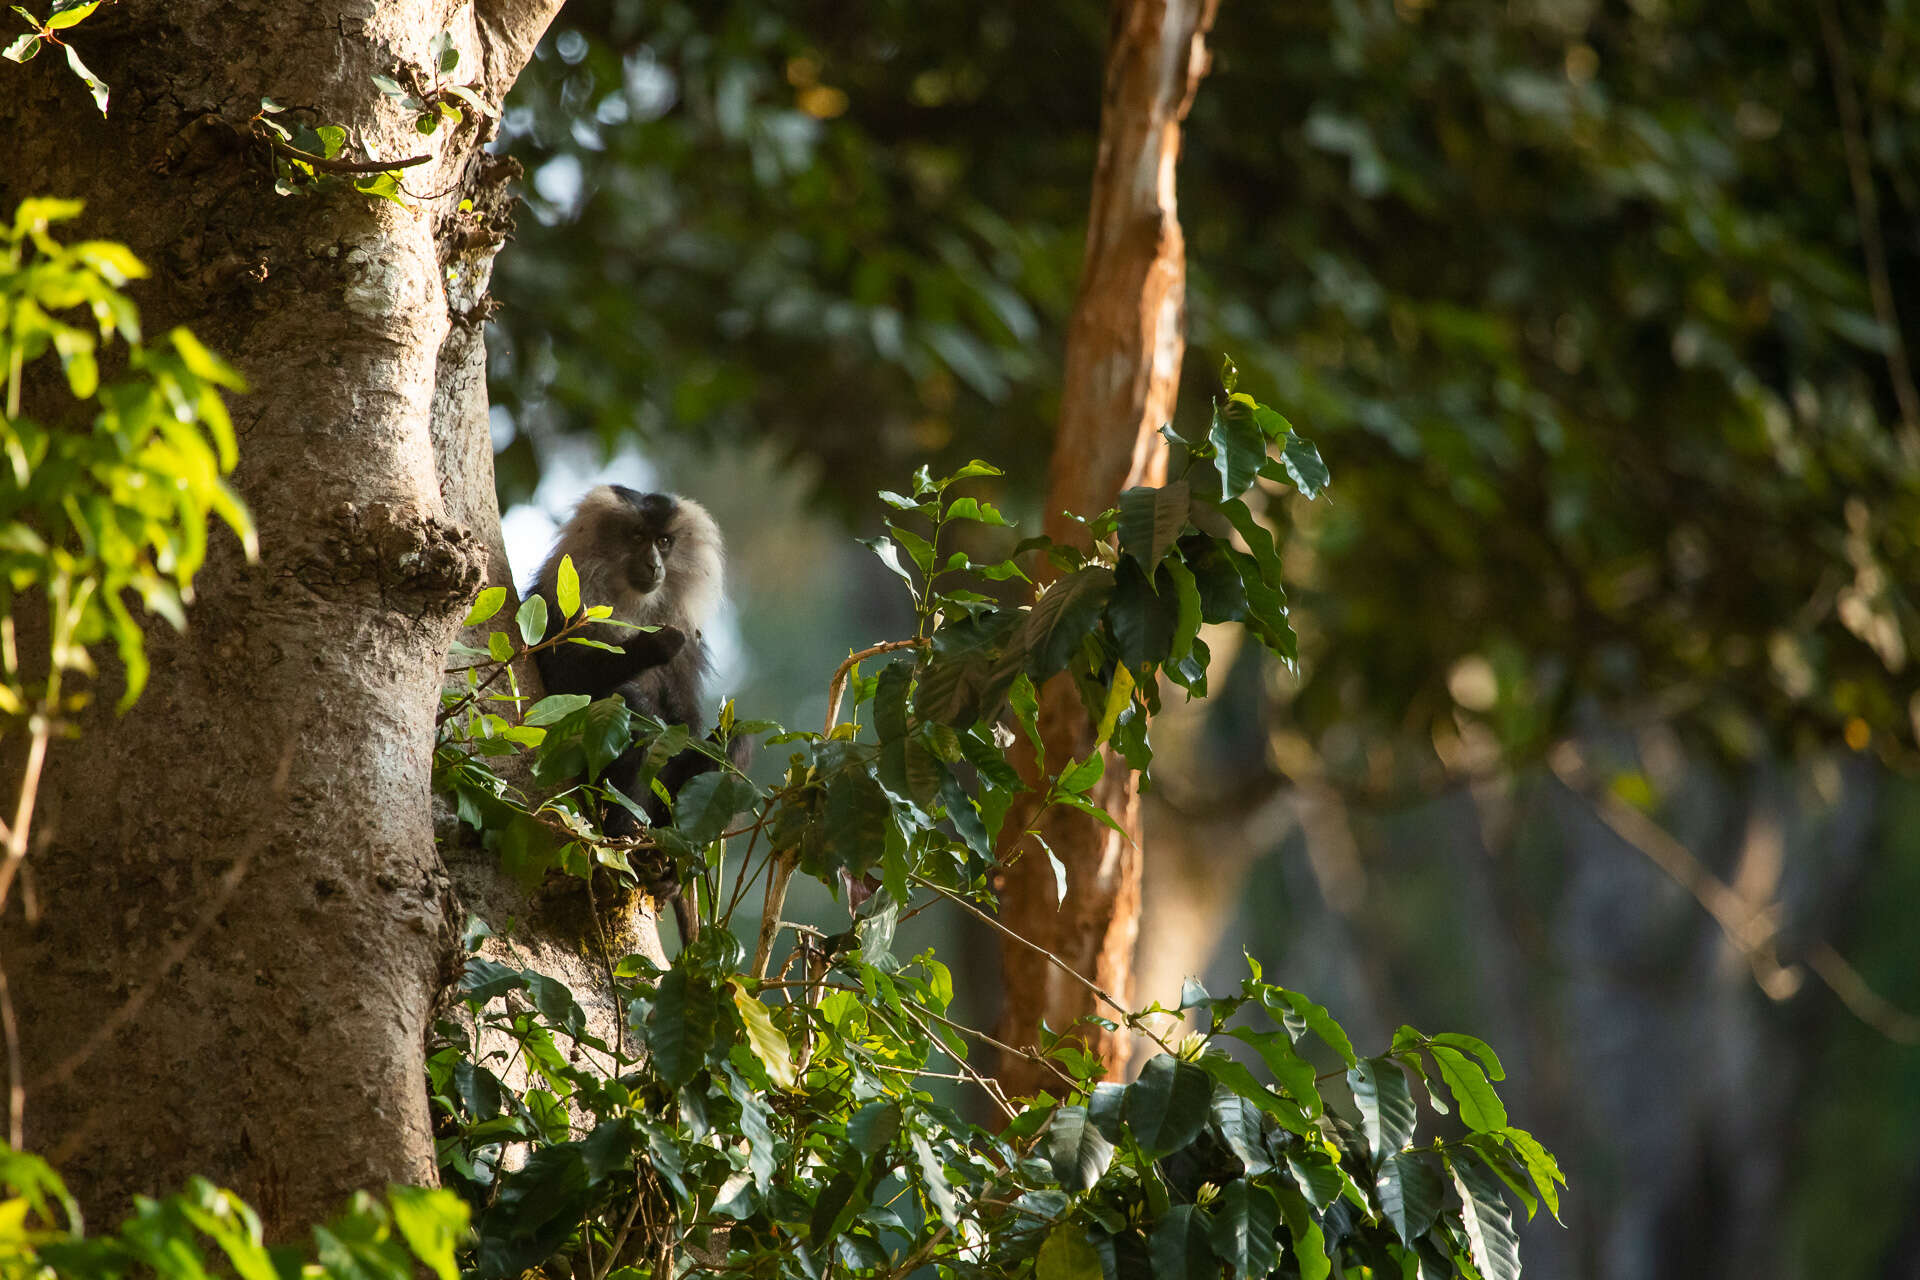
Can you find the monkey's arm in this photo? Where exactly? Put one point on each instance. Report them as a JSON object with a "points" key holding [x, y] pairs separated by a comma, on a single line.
{"points": [[579, 668]]}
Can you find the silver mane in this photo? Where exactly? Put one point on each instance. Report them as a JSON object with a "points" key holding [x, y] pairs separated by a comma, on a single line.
{"points": [[690, 592]]}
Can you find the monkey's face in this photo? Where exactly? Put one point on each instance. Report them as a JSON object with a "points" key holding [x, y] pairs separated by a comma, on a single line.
{"points": [[649, 538], [654, 557]]}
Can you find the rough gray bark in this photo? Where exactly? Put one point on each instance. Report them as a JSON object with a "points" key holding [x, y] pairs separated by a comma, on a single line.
{"points": [[241, 924]]}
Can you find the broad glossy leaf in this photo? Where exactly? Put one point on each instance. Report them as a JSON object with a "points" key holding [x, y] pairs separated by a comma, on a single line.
{"points": [[1309, 1245], [566, 588], [1487, 1219], [1304, 467], [1076, 1149], [1480, 1107], [1541, 1166], [1143, 622], [1239, 448], [1151, 519], [1244, 1221], [1059, 620], [766, 1040], [532, 619], [485, 605], [1181, 1250], [708, 802], [1066, 1254], [1386, 1105], [1409, 1192], [1167, 1105], [681, 1026]]}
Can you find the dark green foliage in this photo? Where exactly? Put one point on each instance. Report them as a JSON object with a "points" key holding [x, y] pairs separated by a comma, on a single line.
{"points": [[792, 1109], [1575, 299]]}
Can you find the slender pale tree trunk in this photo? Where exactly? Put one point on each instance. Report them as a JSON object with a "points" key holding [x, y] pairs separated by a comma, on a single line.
{"points": [[236, 923], [1122, 373]]}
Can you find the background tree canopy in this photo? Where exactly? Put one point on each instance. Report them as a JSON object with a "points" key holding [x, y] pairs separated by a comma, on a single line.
{"points": [[1575, 296], [1593, 311]]}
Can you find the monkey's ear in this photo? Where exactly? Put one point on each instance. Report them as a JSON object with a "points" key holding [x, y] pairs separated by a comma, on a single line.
{"points": [[652, 648]]}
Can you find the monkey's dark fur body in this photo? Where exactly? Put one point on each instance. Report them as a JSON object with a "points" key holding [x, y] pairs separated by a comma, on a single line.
{"points": [[656, 560]]}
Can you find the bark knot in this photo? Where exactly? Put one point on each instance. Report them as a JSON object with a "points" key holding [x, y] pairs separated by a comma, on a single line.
{"points": [[437, 564]]}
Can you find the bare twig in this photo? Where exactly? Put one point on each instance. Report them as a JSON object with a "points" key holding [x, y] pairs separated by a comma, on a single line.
{"points": [[838, 685], [16, 1075], [320, 164], [1752, 928], [1126, 1015]]}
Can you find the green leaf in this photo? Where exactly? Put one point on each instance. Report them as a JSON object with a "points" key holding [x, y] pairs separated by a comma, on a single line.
{"points": [[874, 1126], [1480, 1107], [680, 1028], [485, 605], [1181, 1250], [69, 14], [1300, 1015], [532, 619], [1244, 1221], [1309, 1245], [918, 549], [1151, 520], [707, 803], [1318, 1178], [445, 56], [1239, 448], [1142, 620], [432, 1221], [1475, 1046], [1076, 1149], [566, 587], [1409, 1192], [1540, 1164], [1304, 467], [1079, 779], [1295, 1074], [890, 556], [972, 509], [1234, 1075], [1487, 1219], [1060, 619], [483, 980], [22, 48], [763, 1037], [1066, 1254], [93, 82], [499, 646], [1167, 1105], [605, 730], [389, 86], [1188, 613], [555, 708], [556, 1004], [933, 1180], [1385, 1100]]}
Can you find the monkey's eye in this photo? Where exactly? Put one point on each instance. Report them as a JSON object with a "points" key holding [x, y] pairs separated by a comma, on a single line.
{"points": [[665, 543]]}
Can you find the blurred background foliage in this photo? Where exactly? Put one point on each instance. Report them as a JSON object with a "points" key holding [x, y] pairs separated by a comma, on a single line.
{"points": [[1594, 311]]}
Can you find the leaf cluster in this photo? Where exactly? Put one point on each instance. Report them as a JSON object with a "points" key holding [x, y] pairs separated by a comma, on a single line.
{"points": [[204, 1231], [113, 495], [795, 1123], [62, 15]]}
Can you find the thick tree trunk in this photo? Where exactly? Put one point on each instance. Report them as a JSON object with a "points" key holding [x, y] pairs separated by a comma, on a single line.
{"points": [[240, 923], [1122, 373]]}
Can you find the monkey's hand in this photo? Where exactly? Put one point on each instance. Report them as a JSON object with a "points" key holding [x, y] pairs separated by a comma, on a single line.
{"points": [[653, 648], [579, 668]]}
